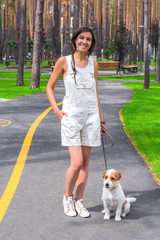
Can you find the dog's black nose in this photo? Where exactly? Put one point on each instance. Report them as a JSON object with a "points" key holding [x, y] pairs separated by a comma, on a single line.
{"points": [[107, 185]]}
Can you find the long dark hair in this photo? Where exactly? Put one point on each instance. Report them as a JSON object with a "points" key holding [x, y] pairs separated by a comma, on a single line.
{"points": [[73, 46], [75, 35]]}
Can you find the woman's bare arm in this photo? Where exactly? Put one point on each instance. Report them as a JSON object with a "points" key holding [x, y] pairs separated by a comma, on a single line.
{"points": [[59, 70]]}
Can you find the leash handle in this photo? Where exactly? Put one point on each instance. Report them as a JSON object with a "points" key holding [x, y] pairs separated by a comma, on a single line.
{"points": [[106, 131]]}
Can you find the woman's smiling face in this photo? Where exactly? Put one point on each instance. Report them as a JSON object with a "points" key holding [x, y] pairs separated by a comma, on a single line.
{"points": [[83, 42]]}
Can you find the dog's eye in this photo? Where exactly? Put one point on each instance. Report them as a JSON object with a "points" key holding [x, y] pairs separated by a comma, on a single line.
{"points": [[106, 177], [112, 178]]}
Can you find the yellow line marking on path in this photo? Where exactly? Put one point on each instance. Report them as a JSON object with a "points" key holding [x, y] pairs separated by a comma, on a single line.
{"points": [[18, 169], [4, 122]]}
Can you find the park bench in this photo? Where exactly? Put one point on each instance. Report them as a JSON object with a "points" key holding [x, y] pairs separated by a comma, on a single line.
{"points": [[129, 68], [108, 65], [105, 66], [7, 62]]}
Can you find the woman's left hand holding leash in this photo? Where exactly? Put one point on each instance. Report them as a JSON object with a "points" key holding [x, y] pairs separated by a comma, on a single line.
{"points": [[103, 128]]}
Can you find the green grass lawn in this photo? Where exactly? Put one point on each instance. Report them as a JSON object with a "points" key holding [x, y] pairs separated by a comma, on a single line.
{"points": [[126, 77], [27, 75], [141, 119], [26, 64], [44, 75], [8, 89]]}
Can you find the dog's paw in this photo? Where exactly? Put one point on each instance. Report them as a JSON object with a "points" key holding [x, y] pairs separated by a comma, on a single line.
{"points": [[117, 218], [106, 217], [103, 211], [123, 214]]}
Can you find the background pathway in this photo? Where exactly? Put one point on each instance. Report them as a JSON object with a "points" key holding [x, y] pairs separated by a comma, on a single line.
{"points": [[36, 210]]}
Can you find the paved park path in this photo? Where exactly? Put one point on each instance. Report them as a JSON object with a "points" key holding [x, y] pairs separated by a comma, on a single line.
{"points": [[35, 212]]}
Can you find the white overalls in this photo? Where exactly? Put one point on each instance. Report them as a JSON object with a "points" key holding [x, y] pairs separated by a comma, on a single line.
{"points": [[82, 125]]}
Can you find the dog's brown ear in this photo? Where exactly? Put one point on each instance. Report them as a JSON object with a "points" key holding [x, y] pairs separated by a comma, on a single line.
{"points": [[104, 173], [118, 175]]}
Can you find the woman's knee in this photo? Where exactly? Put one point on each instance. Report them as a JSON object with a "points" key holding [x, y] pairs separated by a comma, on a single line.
{"points": [[77, 164]]}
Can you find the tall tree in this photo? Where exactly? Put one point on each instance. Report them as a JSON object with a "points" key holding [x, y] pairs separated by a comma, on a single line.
{"points": [[2, 32], [56, 30], [66, 25], [91, 13], [22, 44], [6, 28], [80, 13], [122, 45], [158, 56], [76, 6], [84, 23], [115, 15], [106, 24], [121, 14], [18, 23], [146, 41], [99, 28], [37, 48], [32, 9], [135, 32]]}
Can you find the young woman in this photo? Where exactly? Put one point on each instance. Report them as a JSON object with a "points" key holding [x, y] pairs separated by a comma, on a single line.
{"points": [[81, 116]]}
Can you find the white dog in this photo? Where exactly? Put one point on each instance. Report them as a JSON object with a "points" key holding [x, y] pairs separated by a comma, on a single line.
{"points": [[114, 201]]}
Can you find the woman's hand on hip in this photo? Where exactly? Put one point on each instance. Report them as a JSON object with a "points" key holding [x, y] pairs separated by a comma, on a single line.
{"points": [[59, 113]]}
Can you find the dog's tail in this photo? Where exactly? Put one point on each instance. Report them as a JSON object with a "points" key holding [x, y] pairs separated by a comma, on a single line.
{"points": [[131, 199]]}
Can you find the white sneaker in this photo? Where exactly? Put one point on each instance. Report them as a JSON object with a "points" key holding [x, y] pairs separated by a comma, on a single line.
{"points": [[81, 210], [69, 208]]}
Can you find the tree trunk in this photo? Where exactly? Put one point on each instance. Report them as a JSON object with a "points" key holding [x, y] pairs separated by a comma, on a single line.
{"points": [[2, 33], [142, 36], [115, 15], [99, 29], [84, 12], [56, 31], [20, 81], [76, 14], [66, 43], [6, 28], [106, 25], [37, 48], [121, 14], [135, 32], [34, 6], [87, 10], [158, 56], [146, 40], [18, 22], [81, 13], [121, 59], [91, 13]]}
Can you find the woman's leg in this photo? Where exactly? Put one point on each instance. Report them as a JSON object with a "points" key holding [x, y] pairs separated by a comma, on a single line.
{"points": [[72, 174], [83, 173]]}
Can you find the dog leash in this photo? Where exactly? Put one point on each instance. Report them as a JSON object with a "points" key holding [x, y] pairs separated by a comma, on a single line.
{"points": [[104, 143]]}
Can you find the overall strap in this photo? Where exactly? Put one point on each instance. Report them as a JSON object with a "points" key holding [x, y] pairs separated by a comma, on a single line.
{"points": [[69, 59], [91, 62]]}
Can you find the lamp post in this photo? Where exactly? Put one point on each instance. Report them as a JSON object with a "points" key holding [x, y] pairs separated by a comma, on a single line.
{"points": [[140, 45]]}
